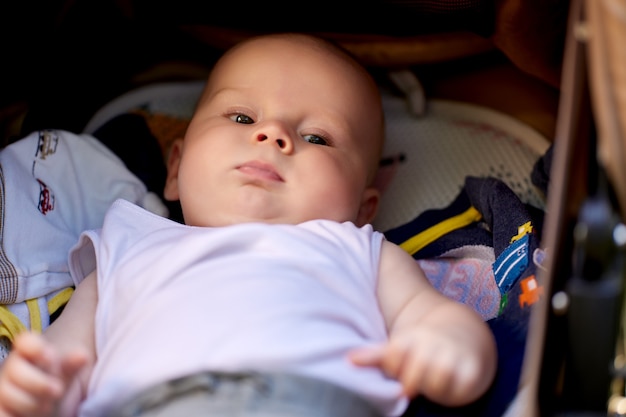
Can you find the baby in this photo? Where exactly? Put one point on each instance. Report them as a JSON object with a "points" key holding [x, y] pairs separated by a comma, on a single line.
{"points": [[275, 296]]}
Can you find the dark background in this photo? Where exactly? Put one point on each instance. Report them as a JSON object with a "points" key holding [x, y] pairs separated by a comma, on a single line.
{"points": [[63, 59]]}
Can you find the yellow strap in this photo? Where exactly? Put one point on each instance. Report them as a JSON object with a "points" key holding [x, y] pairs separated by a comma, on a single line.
{"points": [[10, 325], [35, 314], [433, 233], [59, 300]]}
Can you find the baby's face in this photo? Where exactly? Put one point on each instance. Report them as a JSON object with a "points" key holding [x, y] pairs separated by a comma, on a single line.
{"points": [[283, 134]]}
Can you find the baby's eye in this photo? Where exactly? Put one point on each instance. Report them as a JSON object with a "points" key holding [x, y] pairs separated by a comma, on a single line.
{"points": [[315, 139], [241, 118]]}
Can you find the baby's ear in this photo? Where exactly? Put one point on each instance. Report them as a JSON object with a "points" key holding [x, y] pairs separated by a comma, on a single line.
{"points": [[170, 192], [369, 206]]}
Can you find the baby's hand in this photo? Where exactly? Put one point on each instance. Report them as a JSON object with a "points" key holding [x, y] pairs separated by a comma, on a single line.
{"points": [[34, 377], [426, 361]]}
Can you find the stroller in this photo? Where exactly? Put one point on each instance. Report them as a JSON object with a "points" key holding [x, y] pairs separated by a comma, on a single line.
{"points": [[569, 354]]}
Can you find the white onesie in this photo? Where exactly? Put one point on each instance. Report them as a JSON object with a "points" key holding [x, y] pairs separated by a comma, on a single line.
{"points": [[176, 299]]}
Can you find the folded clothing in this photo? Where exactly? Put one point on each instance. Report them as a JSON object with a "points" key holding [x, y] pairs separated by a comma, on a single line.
{"points": [[53, 185]]}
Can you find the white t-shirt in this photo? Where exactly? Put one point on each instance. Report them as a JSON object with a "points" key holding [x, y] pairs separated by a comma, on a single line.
{"points": [[176, 299]]}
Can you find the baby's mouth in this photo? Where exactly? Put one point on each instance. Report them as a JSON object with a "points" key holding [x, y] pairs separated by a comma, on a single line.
{"points": [[260, 170]]}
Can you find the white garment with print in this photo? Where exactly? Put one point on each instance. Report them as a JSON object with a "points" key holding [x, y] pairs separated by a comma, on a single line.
{"points": [[53, 185], [176, 299]]}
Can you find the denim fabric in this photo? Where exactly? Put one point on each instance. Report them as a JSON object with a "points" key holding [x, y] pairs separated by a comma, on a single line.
{"points": [[246, 395]]}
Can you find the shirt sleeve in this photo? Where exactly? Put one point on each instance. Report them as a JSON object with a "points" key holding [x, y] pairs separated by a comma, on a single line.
{"points": [[82, 256]]}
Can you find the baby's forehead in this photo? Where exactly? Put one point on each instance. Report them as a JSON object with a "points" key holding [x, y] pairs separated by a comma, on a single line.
{"points": [[285, 46], [275, 51]]}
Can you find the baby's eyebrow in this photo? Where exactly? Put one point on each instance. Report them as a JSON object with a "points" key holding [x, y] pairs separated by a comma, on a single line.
{"points": [[225, 93], [335, 123]]}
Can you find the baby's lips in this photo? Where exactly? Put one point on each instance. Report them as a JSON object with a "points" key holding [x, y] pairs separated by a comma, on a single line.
{"points": [[261, 170]]}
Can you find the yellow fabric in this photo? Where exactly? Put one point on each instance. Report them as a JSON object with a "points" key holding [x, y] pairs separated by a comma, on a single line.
{"points": [[433, 233], [10, 325], [59, 300], [522, 230], [35, 314]]}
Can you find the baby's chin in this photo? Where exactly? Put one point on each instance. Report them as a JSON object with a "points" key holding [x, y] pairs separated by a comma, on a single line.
{"points": [[253, 210], [233, 218]]}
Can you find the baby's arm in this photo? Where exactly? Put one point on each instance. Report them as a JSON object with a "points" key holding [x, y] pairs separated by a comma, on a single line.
{"points": [[437, 347], [48, 375]]}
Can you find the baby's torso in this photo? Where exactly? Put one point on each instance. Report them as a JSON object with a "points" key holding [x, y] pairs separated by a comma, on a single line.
{"points": [[179, 299]]}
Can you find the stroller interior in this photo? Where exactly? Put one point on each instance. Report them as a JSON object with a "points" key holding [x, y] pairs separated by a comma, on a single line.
{"points": [[528, 97]]}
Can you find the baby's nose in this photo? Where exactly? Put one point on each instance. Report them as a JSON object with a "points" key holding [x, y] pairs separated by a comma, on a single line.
{"points": [[275, 133], [282, 143]]}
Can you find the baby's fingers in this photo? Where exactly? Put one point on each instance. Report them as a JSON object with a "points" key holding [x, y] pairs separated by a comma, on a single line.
{"points": [[29, 378], [28, 368], [72, 364], [389, 358], [14, 401], [26, 389], [33, 348], [427, 372], [367, 356]]}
